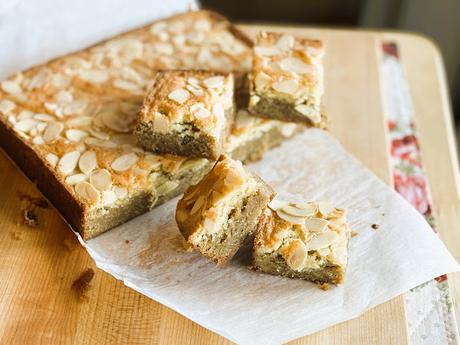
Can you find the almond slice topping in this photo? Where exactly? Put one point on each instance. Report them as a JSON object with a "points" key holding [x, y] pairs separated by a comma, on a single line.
{"points": [[87, 192], [214, 82], [6, 106], [52, 131], [87, 162], [74, 179], [68, 162], [179, 95], [160, 123], [295, 254], [100, 143], [52, 159], [294, 211], [120, 192], [101, 179], [289, 86], [285, 42], [75, 135], [291, 219], [10, 86], [325, 208], [295, 65], [198, 204], [316, 224], [124, 162], [94, 76], [25, 125], [323, 240], [267, 50], [309, 207], [108, 197], [115, 122], [261, 80]]}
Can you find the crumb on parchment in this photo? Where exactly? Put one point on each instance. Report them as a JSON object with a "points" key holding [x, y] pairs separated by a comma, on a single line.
{"points": [[375, 226]]}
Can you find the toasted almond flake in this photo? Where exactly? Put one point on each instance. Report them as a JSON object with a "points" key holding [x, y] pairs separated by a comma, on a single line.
{"points": [[160, 123], [124, 162], [285, 42], [64, 97], [101, 179], [6, 106], [75, 107], [53, 108], [316, 224], [276, 204], [289, 86], [43, 117], [199, 111], [52, 131], [25, 114], [199, 203], [115, 121], [52, 159], [100, 143], [324, 251], [41, 126], [11, 119], [60, 81], [25, 125], [323, 240], [38, 140], [218, 110], [10, 86], [79, 121], [98, 134], [87, 162], [158, 27], [87, 192], [126, 85], [108, 197], [261, 80], [294, 211], [310, 112], [130, 74], [179, 95], [295, 253], [94, 76], [289, 218], [195, 90], [38, 80], [325, 208], [253, 100], [267, 50], [75, 135], [120, 192], [74, 179], [308, 207], [68, 162], [214, 82], [288, 129], [295, 65]]}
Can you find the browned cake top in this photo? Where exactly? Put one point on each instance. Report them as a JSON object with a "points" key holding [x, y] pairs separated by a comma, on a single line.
{"points": [[202, 203], [295, 229], [198, 97], [78, 112]]}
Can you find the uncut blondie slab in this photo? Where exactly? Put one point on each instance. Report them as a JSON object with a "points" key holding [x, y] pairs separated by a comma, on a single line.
{"points": [[302, 240], [187, 113], [221, 211], [68, 123], [286, 81]]}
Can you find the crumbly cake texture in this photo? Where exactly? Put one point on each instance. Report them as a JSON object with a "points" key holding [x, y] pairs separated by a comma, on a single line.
{"points": [[68, 123], [286, 81], [221, 211], [187, 113], [302, 240]]}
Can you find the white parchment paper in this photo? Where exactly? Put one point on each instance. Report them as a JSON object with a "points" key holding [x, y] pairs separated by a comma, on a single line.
{"points": [[255, 308]]}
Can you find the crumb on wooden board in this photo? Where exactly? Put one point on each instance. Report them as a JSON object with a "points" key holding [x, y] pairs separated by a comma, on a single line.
{"points": [[81, 285]]}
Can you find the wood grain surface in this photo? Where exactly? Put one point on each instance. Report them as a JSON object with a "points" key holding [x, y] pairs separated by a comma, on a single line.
{"points": [[38, 266]]}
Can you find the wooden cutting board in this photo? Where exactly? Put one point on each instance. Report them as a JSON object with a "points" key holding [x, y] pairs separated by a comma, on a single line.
{"points": [[39, 266]]}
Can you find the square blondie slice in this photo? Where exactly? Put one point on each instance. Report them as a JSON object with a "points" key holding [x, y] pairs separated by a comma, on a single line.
{"points": [[302, 240], [187, 113], [221, 211], [286, 81]]}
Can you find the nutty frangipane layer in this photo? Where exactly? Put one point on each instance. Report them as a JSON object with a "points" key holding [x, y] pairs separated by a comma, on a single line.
{"points": [[303, 240], [77, 112], [220, 211], [287, 71]]}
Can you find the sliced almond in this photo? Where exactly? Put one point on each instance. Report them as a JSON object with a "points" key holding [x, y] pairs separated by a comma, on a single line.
{"points": [[285, 42], [276, 204], [94, 76], [108, 197], [199, 203], [99, 134], [309, 112], [38, 80], [52, 159], [52, 131], [38, 140], [195, 90], [10, 86], [76, 135], [261, 80], [101, 179], [87, 192], [115, 121], [124, 162], [295, 254], [6, 106], [323, 240], [253, 100], [79, 121], [289, 218], [120, 192], [325, 208], [25, 114], [316, 224], [160, 123], [126, 85], [289, 86], [100, 143], [74, 179], [310, 207], [267, 50], [294, 211], [64, 97], [214, 82], [68, 162], [43, 117], [324, 252], [87, 162], [60, 81], [179, 95], [75, 107], [25, 125], [199, 110], [295, 65]]}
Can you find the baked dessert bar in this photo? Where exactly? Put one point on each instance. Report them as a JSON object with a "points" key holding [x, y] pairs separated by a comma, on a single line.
{"points": [[286, 81], [68, 123], [302, 240], [221, 211], [187, 113]]}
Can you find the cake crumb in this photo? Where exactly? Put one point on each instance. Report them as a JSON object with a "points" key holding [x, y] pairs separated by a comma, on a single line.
{"points": [[375, 226], [354, 233], [36, 201], [127, 241], [16, 235], [82, 284], [324, 286], [30, 217]]}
